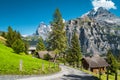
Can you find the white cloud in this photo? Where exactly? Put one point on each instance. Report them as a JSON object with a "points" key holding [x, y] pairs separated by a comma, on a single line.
{"points": [[108, 4]]}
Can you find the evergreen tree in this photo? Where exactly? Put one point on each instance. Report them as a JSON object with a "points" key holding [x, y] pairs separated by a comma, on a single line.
{"points": [[57, 38], [10, 36], [75, 47], [26, 46], [40, 45], [18, 46], [70, 57], [3, 34], [112, 62], [13, 39]]}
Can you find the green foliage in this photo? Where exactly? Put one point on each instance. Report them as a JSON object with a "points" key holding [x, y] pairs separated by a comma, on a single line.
{"points": [[18, 46], [47, 57], [75, 48], [12, 36], [69, 56], [73, 54], [26, 46], [112, 61], [40, 45], [57, 38], [103, 76], [3, 34], [14, 41], [9, 63]]}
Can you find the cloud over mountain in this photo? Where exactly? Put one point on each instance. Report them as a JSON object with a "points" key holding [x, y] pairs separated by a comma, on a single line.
{"points": [[108, 4]]}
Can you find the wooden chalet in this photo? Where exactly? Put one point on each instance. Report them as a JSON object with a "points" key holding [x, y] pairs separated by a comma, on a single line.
{"points": [[95, 64], [31, 49], [42, 53]]}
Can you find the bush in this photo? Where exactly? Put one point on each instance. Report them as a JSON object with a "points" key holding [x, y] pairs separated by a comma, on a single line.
{"points": [[47, 57]]}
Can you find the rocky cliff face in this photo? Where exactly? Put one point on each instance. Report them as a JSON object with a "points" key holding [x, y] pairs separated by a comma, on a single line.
{"points": [[98, 31]]}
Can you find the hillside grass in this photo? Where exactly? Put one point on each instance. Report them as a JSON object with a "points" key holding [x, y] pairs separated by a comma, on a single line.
{"points": [[103, 76], [10, 63], [2, 40]]}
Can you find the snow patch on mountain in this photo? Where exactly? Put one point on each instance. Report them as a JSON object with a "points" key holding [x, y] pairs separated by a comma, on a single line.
{"points": [[43, 30]]}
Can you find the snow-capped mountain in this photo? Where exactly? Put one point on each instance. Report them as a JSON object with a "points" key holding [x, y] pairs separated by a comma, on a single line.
{"points": [[103, 15], [98, 30], [43, 30]]}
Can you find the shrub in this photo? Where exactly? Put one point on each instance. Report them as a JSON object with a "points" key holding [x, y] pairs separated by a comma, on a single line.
{"points": [[47, 57]]}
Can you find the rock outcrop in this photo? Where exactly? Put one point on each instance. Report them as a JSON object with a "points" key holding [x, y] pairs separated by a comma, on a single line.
{"points": [[98, 31]]}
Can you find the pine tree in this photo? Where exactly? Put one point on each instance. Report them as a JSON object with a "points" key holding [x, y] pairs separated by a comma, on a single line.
{"points": [[70, 57], [18, 46], [75, 47], [10, 36], [112, 62], [40, 45], [57, 38], [26, 46], [3, 34], [13, 39]]}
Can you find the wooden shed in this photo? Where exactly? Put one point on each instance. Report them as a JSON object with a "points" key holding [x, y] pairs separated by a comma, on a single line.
{"points": [[95, 64]]}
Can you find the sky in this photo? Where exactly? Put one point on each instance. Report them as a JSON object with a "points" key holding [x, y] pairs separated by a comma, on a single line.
{"points": [[25, 15]]}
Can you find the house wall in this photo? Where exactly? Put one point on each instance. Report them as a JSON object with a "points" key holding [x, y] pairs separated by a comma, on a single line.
{"points": [[85, 65], [96, 70]]}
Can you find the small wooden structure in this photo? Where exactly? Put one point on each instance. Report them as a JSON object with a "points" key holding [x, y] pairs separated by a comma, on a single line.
{"points": [[42, 53], [95, 64], [31, 49]]}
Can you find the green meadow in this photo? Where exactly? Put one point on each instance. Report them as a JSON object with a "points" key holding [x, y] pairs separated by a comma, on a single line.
{"points": [[10, 63]]}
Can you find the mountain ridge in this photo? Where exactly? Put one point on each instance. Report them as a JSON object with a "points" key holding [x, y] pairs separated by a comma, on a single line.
{"points": [[98, 31]]}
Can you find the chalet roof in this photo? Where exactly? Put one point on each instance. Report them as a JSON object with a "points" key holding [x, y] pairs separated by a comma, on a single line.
{"points": [[96, 61], [42, 53], [32, 48]]}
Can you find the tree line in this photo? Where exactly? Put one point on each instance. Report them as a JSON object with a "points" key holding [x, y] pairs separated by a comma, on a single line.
{"points": [[14, 40]]}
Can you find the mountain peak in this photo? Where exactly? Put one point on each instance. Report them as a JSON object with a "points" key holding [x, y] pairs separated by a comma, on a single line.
{"points": [[43, 30], [104, 15], [100, 12]]}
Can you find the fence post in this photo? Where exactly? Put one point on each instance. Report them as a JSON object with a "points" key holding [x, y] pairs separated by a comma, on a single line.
{"points": [[107, 73], [42, 66], [54, 65], [49, 64], [20, 65]]}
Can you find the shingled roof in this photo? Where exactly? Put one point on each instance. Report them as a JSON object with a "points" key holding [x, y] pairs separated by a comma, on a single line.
{"points": [[96, 61], [42, 53]]}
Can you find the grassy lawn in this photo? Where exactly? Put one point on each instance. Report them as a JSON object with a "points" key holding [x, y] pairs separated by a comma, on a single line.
{"points": [[103, 76], [10, 63]]}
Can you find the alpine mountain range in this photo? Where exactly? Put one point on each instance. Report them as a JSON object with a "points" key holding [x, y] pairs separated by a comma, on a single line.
{"points": [[98, 31]]}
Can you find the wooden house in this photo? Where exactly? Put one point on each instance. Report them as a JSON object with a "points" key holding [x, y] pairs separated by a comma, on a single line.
{"points": [[42, 53], [31, 49], [95, 64]]}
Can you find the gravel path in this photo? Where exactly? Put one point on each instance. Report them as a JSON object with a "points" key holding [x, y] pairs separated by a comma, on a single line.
{"points": [[66, 73]]}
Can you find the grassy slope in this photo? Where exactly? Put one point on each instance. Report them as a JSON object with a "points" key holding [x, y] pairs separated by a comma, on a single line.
{"points": [[9, 63], [103, 76], [2, 40]]}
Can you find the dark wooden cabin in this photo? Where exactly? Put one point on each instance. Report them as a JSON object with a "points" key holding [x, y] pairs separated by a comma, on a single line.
{"points": [[95, 64]]}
